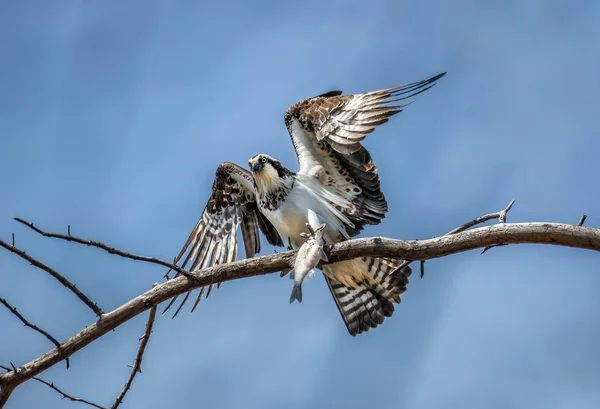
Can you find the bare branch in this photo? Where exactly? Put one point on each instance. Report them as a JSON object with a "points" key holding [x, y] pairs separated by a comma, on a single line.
{"points": [[508, 233], [108, 249], [582, 220], [137, 366], [30, 325], [64, 395], [5, 393], [491, 247], [93, 306], [501, 216]]}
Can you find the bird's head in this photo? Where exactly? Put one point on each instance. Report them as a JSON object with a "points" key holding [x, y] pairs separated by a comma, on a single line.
{"points": [[260, 162], [265, 164], [268, 172]]}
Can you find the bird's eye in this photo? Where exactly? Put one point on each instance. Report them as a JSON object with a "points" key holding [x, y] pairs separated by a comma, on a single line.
{"points": [[249, 165], [264, 160]]}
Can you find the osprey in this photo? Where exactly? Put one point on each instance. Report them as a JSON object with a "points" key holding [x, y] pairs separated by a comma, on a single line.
{"points": [[337, 179]]}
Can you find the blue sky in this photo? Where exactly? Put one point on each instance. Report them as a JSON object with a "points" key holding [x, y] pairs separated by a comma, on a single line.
{"points": [[115, 115]]}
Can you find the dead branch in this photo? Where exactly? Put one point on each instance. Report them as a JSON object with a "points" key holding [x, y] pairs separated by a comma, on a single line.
{"points": [[491, 247], [93, 306], [30, 325], [508, 233], [97, 244], [501, 216], [137, 366], [64, 395], [5, 393], [582, 220]]}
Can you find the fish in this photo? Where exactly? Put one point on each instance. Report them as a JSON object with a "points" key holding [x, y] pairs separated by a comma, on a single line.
{"points": [[308, 257], [313, 223]]}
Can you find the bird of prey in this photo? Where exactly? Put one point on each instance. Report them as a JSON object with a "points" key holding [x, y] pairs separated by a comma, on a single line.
{"points": [[336, 179]]}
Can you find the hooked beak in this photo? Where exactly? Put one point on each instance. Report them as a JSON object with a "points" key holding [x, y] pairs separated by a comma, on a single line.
{"points": [[257, 166]]}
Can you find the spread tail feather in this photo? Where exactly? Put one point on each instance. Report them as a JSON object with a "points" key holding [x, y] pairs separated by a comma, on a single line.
{"points": [[366, 289]]}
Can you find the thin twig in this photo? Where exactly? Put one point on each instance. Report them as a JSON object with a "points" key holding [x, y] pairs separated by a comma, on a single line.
{"points": [[108, 249], [30, 325], [64, 395], [137, 366], [501, 216], [582, 220], [491, 247], [93, 306], [174, 263], [501, 219]]}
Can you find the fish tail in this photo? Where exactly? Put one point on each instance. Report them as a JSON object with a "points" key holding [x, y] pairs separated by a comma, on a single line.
{"points": [[296, 293]]}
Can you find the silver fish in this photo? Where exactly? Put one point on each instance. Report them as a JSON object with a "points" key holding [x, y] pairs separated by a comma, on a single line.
{"points": [[307, 258]]}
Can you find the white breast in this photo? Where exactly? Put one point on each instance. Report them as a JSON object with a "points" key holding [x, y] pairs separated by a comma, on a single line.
{"points": [[290, 218]]}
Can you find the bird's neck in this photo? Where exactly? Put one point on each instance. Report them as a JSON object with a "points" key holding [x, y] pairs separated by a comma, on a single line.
{"points": [[272, 188]]}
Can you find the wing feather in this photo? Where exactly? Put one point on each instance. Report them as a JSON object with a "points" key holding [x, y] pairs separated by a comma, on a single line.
{"points": [[214, 238], [327, 131], [250, 233]]}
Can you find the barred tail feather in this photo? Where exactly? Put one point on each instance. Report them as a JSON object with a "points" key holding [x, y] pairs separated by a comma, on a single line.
{"points": [[366, 289]]}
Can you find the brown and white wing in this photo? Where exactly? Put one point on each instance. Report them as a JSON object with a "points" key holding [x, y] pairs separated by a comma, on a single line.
{"points": [[214, 238], [327, 131]]}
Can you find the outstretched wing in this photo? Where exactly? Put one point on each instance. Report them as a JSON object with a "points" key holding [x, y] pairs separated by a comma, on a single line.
{"points": [[214, 239], [327, 131]]}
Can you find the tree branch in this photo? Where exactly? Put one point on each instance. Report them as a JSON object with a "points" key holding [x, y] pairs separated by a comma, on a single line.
{"points": [[108, 249], [64, 395], [509, 233], [137, 366], [5, 393], [30, 325], [93, 306], [501, 216]]}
